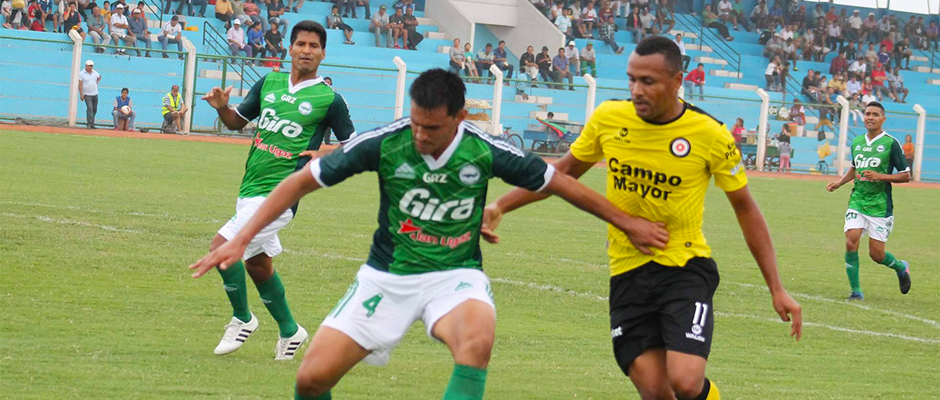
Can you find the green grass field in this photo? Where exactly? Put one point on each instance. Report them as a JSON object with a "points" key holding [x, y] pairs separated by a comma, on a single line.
{"points": [[96, 234]]}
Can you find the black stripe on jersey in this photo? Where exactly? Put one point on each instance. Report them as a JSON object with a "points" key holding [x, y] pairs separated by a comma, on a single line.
{"points": [[701, 111]]}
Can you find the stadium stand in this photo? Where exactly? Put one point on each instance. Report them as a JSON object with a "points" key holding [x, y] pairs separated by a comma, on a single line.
{"points": [[37, 70]]}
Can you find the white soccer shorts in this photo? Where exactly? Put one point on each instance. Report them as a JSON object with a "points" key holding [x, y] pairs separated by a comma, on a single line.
{"points": [[379, 307], [878, 228], [265, 241]]}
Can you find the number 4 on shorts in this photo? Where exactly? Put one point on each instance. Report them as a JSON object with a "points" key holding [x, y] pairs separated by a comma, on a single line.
{"points": [[371, 304]]}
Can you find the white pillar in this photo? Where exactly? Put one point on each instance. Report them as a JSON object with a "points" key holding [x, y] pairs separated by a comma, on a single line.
{"points": [[843, 134], [76, 68], [189, 83], [591, 96], [762, 128], [919, 141], [400, 87], [497, 100]]}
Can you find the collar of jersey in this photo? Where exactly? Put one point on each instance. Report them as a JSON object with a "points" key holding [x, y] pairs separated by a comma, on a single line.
{"points": [[869, 142], [307, 83], [448, 152], [685, 106]]}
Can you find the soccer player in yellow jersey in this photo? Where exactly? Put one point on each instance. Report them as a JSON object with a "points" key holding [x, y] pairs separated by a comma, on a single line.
{"points": [[660, 153]]}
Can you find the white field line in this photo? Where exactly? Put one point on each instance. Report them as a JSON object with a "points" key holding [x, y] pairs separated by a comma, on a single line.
{"points": [[96, 211], [311, 253], [71, 222], [556, 289], [935, 324]]}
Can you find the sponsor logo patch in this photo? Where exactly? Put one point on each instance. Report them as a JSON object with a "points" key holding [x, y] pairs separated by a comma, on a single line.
{"points": [[305, 108], [469, 174], [415, 233], [680, 147]]}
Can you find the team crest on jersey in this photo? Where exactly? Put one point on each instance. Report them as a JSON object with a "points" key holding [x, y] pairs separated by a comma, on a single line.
{"points": [[680, 147], [305, 108], [469, 174], [269, 98], [405, 171], [880, 148]]}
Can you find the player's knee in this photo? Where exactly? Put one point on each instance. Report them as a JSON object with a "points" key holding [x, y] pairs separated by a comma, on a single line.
{"points": [[655, 392], [851, 244], [309, 383], [876, 255], [475, 350], [688, 387]]}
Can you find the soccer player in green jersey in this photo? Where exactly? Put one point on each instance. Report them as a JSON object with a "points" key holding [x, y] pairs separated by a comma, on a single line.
{"points": [[425, 262], [877, 162], [295, 111]]}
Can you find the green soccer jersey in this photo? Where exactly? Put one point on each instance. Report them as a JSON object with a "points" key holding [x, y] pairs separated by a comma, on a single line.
{"points": [[883, 155], [431, 210], [292, 119]]}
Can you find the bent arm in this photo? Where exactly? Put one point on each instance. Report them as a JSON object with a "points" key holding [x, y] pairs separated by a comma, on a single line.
{"points": [[567, 165]]}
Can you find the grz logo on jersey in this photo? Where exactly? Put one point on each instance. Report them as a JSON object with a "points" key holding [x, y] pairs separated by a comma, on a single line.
{"points": [[434, 178], [270, 122], [870, 162], [412, 204], [289, 99]]}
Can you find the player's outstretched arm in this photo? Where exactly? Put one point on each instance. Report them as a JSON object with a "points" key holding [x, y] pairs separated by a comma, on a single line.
{"points": [[644, 234], [493, 213], [849, 175], [757, 236], [218, 99], [285, 195]]}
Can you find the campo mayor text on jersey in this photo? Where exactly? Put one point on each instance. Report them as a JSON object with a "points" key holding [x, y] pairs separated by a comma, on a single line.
{"points": [[431, 210], [293, 118], [660, 172]]}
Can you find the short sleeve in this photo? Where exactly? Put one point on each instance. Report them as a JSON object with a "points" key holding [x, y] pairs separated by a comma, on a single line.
{"points": [[357, 156], [724, 162], [250, 107], [852, 156], [587, 147], [520, 168], [338, 119], [897, 158]]}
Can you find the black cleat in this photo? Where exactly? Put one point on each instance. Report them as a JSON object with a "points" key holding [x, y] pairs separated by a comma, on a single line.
{"points": [[904, 280]]}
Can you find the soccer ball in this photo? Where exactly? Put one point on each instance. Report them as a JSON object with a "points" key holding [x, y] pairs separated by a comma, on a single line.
{"points": [[126, 110]]}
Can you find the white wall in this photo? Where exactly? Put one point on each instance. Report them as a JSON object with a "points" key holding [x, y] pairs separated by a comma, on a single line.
{"points": [[531, 29], [489, 12], [450, 19]]}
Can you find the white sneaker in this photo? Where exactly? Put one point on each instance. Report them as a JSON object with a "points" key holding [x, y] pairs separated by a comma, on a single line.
{"points": [[286, 347], [236, 332]]}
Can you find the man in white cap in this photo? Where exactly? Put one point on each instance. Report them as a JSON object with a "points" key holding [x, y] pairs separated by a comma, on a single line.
{"points": [[854, 33], [574, 58], [236, 39], [118, 28], [88, 80], [138, 29]]}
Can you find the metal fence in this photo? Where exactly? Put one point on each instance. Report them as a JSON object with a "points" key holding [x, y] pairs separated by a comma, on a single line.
{"points": [[39, 85]]}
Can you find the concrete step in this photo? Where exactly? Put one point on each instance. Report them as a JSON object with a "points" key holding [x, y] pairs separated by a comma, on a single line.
{"points": [[919, 58], [689, 35], [444, 49], [921, 68], [544, 115], [711, 60], [438, 35], [934, 81], [740, 86], [534, 100], [729, 74], [425, 21], [811, 120], [812, 134], [216, 74], [698, 47]]}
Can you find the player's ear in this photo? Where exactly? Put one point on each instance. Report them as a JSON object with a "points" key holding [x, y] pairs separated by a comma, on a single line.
{"points": [[461, 115]]}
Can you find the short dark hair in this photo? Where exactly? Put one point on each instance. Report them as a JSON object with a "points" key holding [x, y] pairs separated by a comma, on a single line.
{"points": [[502, 42], [661, 45], [489, 45], [125, 90], [876, 104], [551, 114], [701, 65], [436, 88], [309, 26]]}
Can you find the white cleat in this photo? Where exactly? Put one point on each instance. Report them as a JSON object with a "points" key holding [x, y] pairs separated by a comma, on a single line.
{"points": [[236, 332], [286, 347]]}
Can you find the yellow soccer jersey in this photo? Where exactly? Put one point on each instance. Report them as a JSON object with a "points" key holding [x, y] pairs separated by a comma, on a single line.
{"points": [[660, 172]]}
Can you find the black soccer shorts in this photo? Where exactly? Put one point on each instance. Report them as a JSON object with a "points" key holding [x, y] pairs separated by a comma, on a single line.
{"points": [[656, 306]]}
